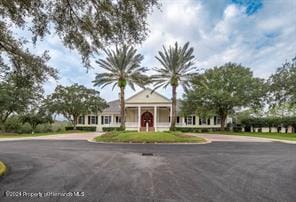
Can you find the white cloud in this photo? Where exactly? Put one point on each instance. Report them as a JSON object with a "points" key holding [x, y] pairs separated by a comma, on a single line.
{"points": [[218, 30]]}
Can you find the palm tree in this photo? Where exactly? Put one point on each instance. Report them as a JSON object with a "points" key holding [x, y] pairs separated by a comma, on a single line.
{"points": [[176, 68], [123, 68]]}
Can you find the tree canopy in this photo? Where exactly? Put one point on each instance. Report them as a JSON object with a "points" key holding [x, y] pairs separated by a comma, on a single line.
{"points": [[222, 89], [36, 116], [82, 25], [73, 101], [283, 84]]}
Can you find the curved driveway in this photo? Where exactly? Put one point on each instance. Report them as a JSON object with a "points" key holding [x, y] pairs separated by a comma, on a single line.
{"points": [[220, 171]]}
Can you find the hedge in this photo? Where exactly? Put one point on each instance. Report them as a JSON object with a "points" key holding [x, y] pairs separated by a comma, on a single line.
{"points": [[197, 130], [84, 128], [107, 129], [259, 122]]}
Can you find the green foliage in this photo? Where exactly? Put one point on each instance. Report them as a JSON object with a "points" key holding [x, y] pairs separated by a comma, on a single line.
{"points": [[123, 66], [108, 129], [16, 94], [36, 117], [176, 68], [73, 101], [222, 89], [196, 130], [282, 84], [14, 125], [83, 128], [82, 25], [147, 137], [260, 122]]}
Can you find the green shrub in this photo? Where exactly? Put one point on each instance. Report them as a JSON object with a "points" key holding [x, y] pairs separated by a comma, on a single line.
{"points": [[44, 128], [25, 128], [107, 129], [13, 125], [83, 128], [196, 130]]}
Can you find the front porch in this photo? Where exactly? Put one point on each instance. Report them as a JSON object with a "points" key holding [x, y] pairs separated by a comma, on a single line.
{"points": [[148, 117]]}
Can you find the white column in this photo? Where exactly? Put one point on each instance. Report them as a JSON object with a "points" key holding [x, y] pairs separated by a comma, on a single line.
{"points": [[139, 118], [171, 114], [155, 118]]}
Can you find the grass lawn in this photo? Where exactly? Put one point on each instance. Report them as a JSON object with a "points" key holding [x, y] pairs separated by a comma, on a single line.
{"points": [[16, 135], [148, 137], [279, 136], [2, 168]]}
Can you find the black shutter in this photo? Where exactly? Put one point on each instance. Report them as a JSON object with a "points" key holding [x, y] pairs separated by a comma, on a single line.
{"points": [[117, 119], [178, 119], [102, 120], [96, 119], [209, 121], [88, 120], [215, 120], [169, 119], [199, 121], [185, 119], [193, 120]]}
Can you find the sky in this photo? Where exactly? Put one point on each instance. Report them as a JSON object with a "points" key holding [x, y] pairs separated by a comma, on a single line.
{"points": [[259, 34]]}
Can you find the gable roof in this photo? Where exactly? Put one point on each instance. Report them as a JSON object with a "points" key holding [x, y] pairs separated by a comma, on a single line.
{"points": [[114, 107], [148, 96]]}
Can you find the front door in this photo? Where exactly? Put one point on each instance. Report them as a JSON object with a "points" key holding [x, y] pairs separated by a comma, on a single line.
{"points": [[147, 117]]}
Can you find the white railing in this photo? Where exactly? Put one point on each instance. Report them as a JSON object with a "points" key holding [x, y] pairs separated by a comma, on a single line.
{"points": [[163, 124], [131, 124]]}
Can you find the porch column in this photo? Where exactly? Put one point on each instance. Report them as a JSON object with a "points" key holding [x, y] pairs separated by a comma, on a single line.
{"points": [[155, 118], [171, 114], [139, 118]]}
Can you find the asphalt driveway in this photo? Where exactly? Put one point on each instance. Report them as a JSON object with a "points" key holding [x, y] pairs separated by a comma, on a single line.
{"points": [[220, 171]]}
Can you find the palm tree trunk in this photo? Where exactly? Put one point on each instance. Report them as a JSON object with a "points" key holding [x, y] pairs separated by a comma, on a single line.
{"points": [[174, 103], [122, 107]]}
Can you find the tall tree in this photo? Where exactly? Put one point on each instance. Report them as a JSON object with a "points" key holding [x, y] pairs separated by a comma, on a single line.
{"points": [[18, 90], [73, 101], [36, 116], [123, 66], [82, 25], [222, 89], [283, 85], [176, 68]]}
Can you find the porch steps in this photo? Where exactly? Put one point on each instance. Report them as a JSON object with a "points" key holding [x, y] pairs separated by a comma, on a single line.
{"points": [[150, 129]]}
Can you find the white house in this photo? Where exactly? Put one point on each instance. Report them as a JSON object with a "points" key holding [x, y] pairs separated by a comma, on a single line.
{"points": [[146, 111]]}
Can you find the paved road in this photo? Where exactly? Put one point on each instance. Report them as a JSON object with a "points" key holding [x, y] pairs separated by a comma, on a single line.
{"points": [[220, 171], [68, 136], [231, 138]]}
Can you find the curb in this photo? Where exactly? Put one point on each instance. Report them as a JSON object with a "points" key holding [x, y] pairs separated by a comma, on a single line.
{"points": [[135, 143], [3, 168], [262, 138]]}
